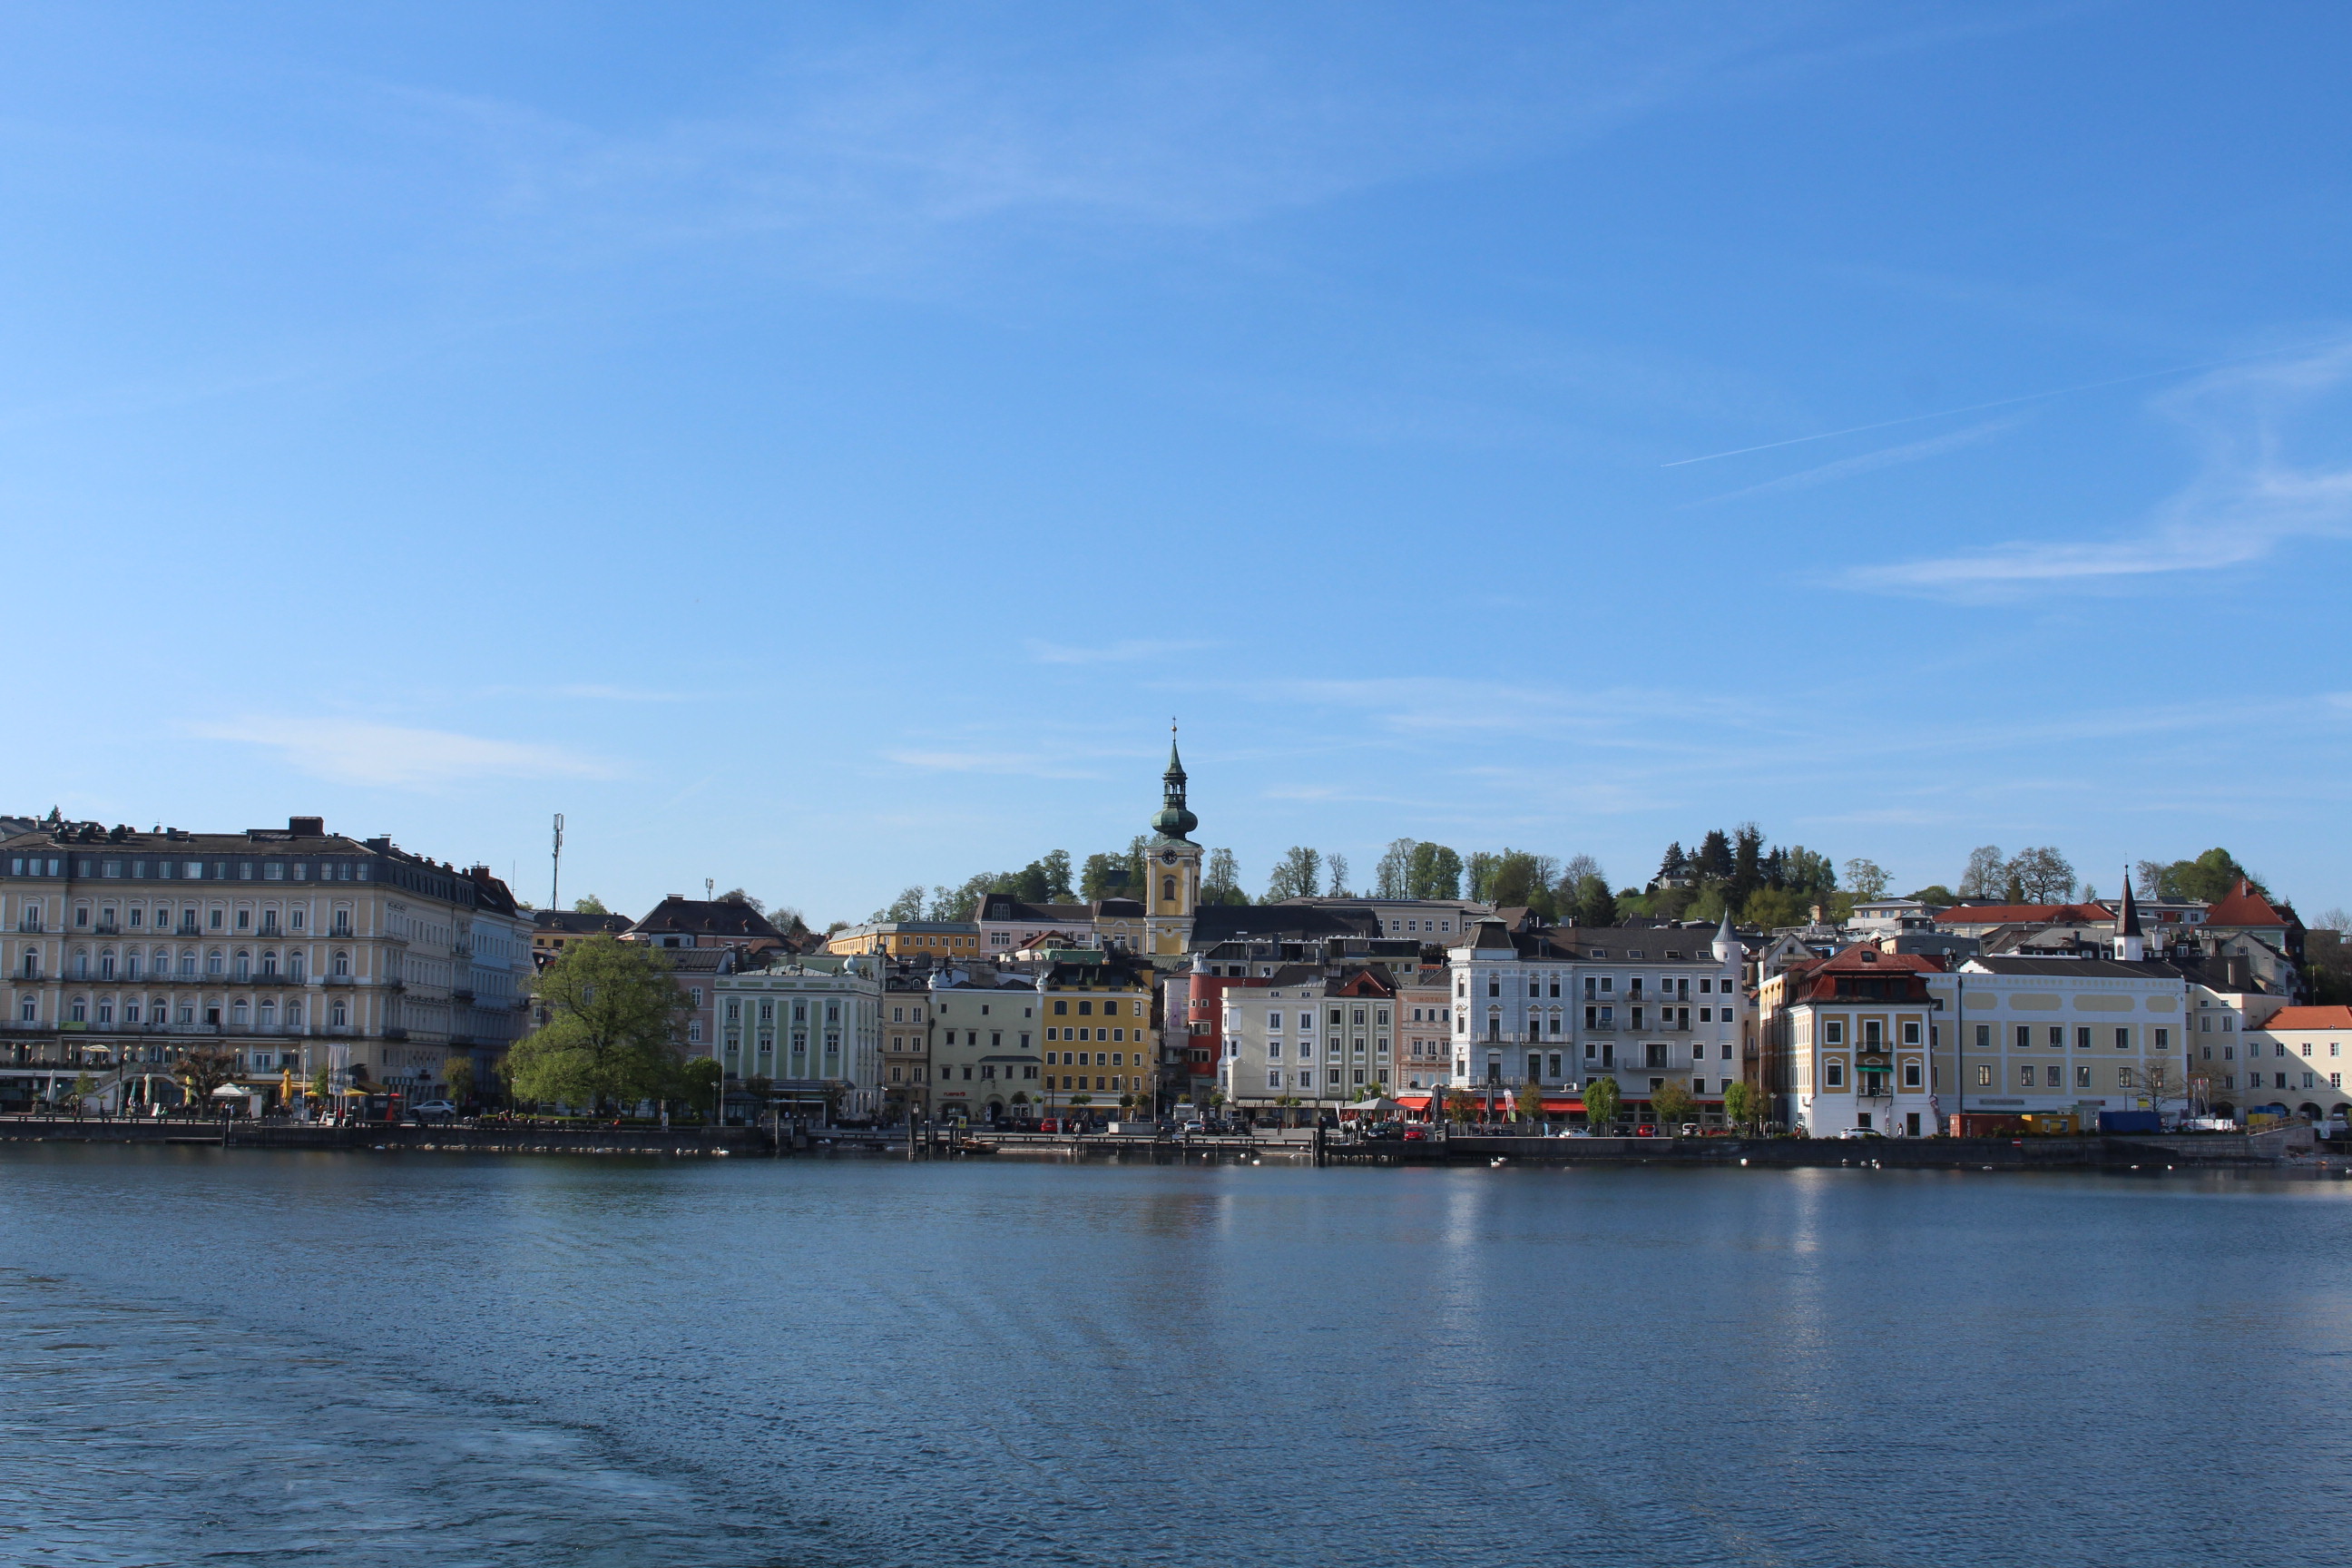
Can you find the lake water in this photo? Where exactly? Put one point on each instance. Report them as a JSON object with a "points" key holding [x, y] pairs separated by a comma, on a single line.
{"points": [[420, 1359]]}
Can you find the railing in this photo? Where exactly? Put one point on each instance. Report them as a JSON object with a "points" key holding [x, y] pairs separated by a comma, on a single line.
{"points": [[31, 925], [107, 927]]}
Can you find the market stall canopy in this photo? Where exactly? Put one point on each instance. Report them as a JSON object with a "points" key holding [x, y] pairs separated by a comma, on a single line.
{"points": [[1376, 1103]]}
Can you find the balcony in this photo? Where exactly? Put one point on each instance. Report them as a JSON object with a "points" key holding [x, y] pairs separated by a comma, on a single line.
{"points": [[107, 927], [31, 925], [462, 993]]}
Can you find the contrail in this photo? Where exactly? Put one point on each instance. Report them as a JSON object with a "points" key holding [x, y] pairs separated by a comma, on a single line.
{"points": [[2000, 403]]}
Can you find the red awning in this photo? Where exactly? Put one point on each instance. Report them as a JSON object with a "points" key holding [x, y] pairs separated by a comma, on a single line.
{"points": [[1559, 1107]]}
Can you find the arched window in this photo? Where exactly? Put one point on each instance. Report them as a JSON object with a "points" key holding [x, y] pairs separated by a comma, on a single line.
{"points": [[244, 964], [342, 964], [1168, 889], [106, 965], [269, 964], [294, 964], [214, 962], [237, 1012], [81, 964]]}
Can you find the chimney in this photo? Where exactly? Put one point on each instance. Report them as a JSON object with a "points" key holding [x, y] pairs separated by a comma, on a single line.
{"points": [[307, 826]]}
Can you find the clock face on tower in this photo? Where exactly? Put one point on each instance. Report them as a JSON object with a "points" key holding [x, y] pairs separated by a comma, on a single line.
{"points": [[1168, 857]]}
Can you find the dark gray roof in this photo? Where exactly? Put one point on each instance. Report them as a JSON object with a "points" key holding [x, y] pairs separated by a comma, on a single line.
{"points": [[570, 922], [718, 917], [2094, 968]]}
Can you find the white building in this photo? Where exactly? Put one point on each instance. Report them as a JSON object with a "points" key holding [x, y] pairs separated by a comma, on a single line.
{"points": [[1558, 1007], [811, 1027], [1310, 1036]]}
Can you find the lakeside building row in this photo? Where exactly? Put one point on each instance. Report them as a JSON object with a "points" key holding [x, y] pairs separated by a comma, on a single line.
{"points": [[292, 949]]}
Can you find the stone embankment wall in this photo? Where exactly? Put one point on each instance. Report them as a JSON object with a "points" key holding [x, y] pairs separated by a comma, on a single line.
{"points": [[730, 1142]]}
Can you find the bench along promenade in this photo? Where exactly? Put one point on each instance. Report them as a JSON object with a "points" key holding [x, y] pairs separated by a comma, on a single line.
{"points": [[2276, 1147]]}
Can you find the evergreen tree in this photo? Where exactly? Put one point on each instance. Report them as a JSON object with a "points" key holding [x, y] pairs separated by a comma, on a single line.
{"points": [[1675, 863], [1714, 858]]}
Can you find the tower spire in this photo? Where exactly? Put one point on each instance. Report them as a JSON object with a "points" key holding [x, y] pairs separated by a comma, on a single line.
{"points": [[2131, 945], [1174, 820]]}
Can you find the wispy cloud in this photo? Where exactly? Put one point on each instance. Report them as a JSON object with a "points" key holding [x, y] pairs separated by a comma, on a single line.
{"points": [[352, 751], [2247, 498], [1129, 652], [1869, 462]]}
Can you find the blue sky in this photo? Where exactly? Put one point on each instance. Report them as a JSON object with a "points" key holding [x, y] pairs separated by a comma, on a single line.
{"points": [[819, 447]]}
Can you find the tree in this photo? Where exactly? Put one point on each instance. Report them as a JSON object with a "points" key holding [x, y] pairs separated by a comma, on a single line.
{"points": [[84, 1085], [1529, 1102], [1337, 864], [697, 1083], [1802, 871], [1714, 858], [1221, 881], [1935, 895], [1674, 863], [1436, 872], [1514, 879], [1865, 879], [1595, 905], [591, 905], [2044, 874], [2160, 1082], [1459, 1105], [1671, 1103], [1392, 878], [1770, 909], [1296, 875], [1746, 858], [322, 1083], [1987, 873], [1739, 1103], [906, 906], [613, 1016], [1601, 1102], [458, 1072], [1107, 876], [738, 896], [204, 1069], [2211, 877]]}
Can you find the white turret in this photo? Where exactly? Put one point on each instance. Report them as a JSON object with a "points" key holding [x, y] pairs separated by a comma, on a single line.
{"points": [[1725, 945]]}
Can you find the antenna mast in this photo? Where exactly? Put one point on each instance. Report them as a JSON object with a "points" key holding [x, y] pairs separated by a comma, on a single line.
{"points": [[555, 878]]}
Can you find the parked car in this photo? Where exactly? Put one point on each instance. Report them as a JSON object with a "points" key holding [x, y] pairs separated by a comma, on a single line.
{"points": [[1050, 1125], [1861, 1132], [1416, 1134], [434, 1110]]}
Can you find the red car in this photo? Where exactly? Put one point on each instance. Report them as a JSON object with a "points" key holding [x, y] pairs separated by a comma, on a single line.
{"points": [[1416, 1134], [1050, 1124]]}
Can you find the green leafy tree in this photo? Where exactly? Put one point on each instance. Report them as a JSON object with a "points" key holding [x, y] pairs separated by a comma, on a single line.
{"points": [[1529, 1102], [591, 905], [613, 1016], [1739, 1103], [1221, 881], [1595, 904], [458, 1072], [1671, 1103], [1436, 872], [1771, 907], [1460, 1105], [1935, 895], [906, 906], [697, 1083], [2212, 877], [1295, 876], [84, 1085], [1515, 878], [1601, 1103]]}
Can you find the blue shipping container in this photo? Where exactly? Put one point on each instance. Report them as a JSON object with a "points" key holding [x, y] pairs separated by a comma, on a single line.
{"points": [[2129, 1121]]}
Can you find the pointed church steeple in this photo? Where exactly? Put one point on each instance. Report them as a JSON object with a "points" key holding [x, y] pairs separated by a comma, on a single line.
{"points": [[2131, 945], [1174, 820]]}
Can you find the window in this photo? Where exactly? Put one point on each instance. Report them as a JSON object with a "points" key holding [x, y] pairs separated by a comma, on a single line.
{"points": [[2024, 1038], [1984, 1075], [2025, 1078], [2163, 1039], [1911, 1074], [2082, 1039], [2082, 1077], [1911, 1031], [1834, 1032], [1833, 1075], [2058, 1037]]}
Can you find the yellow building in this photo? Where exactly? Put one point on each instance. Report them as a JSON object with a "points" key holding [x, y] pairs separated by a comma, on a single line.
{"points": [[1101, 1052], [910, 939]]}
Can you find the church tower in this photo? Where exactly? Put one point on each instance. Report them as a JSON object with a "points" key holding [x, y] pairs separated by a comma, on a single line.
{"points": [[1171, 890]]}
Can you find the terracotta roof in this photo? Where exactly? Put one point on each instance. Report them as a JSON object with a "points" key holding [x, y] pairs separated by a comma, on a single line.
{"points": [[2245, 907], [2310, 1019], [2025, 914]]}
